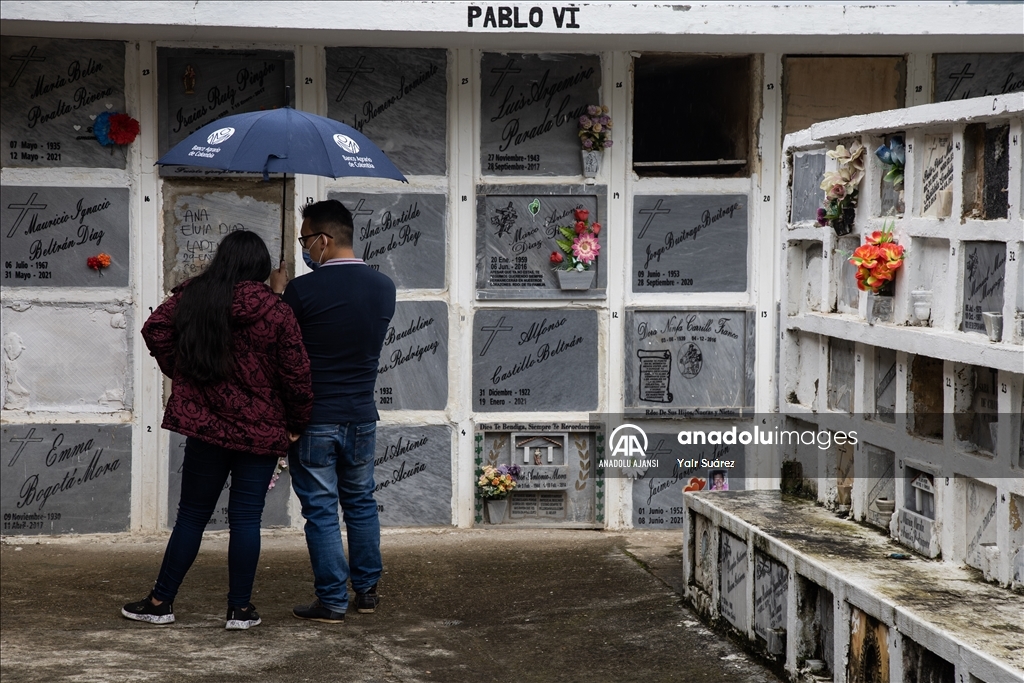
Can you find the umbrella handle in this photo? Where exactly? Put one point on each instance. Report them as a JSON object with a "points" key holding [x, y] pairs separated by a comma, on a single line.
{"points": [[284, 205]]}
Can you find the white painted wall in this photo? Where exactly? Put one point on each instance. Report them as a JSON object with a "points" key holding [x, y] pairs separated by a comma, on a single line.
{"points": [[613, 29]]}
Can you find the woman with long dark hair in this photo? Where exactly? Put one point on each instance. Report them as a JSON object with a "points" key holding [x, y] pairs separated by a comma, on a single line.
{"points": [[241, 394]]}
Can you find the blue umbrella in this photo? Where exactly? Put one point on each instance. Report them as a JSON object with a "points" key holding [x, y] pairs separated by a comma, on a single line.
{"points": [[282, 140]]}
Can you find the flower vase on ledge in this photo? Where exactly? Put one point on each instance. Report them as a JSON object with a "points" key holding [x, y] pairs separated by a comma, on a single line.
{"points": [[881, 304], [575, 279], [496, 509], [591, 163]]}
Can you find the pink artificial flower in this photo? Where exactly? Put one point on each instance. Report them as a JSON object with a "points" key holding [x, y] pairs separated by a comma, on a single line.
{"points": [[585, 248], [595, 228]]}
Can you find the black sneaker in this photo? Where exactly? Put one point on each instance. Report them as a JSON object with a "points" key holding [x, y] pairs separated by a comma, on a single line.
{"points": [[367, 602], [317, 612], [144, 610], [241, 618]]}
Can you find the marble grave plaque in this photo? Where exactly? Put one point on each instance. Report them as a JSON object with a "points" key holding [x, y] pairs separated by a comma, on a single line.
{"points": [[960, 76], [413, 372], [683, 361], [275, 510], [198, 216], [401, 235], [546, 499], [51, 90], [808, 197], [733, 571], [413, 471], [937, 176], [528, 361], [200, 85], [690, 243], [516, 235], [771, 587], [529, 110], [49, 233], [396, 97], [658, 492], [66, 478], [984, 274]]}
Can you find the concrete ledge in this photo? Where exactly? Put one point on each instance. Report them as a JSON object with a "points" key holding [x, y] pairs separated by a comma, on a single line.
{"points": [[765, 565]]}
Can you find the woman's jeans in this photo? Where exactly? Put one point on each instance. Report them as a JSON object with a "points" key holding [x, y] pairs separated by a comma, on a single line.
{"points": [[204, 473], [332, 464]]}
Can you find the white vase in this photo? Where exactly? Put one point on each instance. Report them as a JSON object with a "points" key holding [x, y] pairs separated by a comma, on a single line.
{"points": [[575, 279], [496, 508], [591, 163]]}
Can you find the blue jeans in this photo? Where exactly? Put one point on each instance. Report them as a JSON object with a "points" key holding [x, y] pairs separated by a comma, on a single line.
{"points": [[204, 472], [332, 464]]}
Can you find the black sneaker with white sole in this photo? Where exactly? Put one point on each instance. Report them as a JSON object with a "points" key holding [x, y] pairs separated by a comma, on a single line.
{"points": [[145, 610], [241, 618]]}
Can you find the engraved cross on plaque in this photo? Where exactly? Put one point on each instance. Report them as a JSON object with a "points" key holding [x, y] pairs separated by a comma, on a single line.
{"points": [[494, 330], [651, 213], [24, 211], [24, 59], [358, 210], [959, 78], [503, 71], [660, 450], [27, 439], [352, 71]]}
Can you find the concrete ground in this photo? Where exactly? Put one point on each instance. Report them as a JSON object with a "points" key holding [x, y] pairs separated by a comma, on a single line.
{"points": [[457, 605]]}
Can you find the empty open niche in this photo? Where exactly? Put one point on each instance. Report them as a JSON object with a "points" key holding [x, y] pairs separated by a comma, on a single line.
{"points": [[921, 665], [691, 115], [986, 171], [976, 408], [881, 486], [924, 396], [980, 504], [841, 375], [845, 275], [926, 272], [884, 385], [800, 459], [815, 645]]}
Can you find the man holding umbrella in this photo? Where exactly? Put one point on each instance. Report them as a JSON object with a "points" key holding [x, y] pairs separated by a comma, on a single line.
{"points": [[344, 308]]}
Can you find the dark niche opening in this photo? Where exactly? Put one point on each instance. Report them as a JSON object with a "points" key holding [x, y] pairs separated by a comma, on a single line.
{"points": [[691, 115]]}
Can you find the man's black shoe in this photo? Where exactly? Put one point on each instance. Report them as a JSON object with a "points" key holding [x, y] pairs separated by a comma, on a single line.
{"points": [[367, 602], [317, 612]]}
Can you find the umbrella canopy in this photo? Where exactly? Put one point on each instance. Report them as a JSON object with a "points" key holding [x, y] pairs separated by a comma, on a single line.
{"points": [[282, 140]]}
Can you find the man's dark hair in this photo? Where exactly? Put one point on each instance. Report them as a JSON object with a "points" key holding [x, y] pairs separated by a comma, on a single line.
{"points": [[330, 216]]}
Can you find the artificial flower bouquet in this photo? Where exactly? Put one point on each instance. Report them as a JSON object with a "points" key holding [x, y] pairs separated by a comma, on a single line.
{"points": [[115, 128], [877, 261], [894, 156], [498, 482], [841, 187], [579, 246], [595, 128]]}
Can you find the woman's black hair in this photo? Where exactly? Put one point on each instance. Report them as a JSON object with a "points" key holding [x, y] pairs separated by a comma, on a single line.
{"points": [[202, 321]]}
